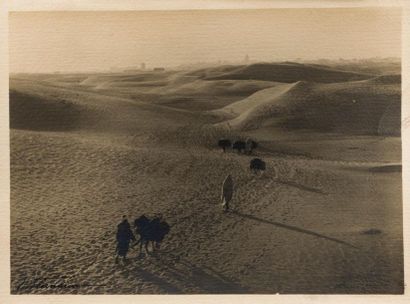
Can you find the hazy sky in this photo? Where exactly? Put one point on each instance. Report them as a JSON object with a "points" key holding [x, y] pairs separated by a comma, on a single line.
{"points": [[72, 41]]}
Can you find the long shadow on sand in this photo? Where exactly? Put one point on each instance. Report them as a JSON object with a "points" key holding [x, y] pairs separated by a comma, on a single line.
{"points": [[301, 187], [293, 228], [202, 278], [166, 286]]}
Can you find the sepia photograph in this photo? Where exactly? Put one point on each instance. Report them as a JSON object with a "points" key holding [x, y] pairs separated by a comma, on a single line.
{"points": [[229, 151]]}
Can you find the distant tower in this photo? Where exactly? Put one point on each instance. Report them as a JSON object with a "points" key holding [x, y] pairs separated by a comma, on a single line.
{"points": [[246, 60], [143, 66]]}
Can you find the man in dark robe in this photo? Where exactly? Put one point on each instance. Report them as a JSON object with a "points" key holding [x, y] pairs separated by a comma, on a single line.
{"points": [[124, 236]]}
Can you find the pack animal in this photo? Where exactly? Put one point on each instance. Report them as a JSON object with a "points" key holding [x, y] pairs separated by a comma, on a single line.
{"points": [[150, 231], [224, 144], [239, 146], [257, 165], [250, 145]]}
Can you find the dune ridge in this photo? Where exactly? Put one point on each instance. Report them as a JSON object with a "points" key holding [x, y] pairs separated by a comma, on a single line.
{"points": [[351, 108], [289, 73]]}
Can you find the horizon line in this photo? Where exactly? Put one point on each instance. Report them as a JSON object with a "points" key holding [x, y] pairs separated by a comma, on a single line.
{"points": [[122, 69]]}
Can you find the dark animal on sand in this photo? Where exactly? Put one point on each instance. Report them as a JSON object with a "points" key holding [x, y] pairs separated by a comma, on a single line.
{"points": [[250, 145], [239, 146], [153, 231], [224, 144], [124, 236], [257, 165]]}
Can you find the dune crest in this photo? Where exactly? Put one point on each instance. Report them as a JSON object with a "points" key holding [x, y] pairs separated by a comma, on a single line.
{"points": [[289, 73], [349, 108]]}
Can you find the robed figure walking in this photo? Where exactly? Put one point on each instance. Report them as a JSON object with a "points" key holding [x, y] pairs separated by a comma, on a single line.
{"points": [[227, 192]]}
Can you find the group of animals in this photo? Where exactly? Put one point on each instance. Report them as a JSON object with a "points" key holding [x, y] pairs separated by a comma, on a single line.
{"points": [[239, 145], [246, 147]]}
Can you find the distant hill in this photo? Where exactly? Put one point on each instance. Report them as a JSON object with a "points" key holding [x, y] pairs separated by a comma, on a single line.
{"points": [[282, 72], [214, 71], [377, 66]]}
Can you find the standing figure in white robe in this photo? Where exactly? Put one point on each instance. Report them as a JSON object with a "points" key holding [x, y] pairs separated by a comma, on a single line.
{"points": [[227, 192]]}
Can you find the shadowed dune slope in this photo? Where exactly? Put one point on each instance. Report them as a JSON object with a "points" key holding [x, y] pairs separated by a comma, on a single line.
{"points": [[288, 73], [362, 107], [387, 79], [37, 107], [35, 113], [99, 79]]}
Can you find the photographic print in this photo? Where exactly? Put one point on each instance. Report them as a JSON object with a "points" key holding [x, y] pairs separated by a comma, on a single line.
{"points": [[248, 151]]}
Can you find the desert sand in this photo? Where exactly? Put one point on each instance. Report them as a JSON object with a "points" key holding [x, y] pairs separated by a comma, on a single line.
{"points": [[325, 216]]}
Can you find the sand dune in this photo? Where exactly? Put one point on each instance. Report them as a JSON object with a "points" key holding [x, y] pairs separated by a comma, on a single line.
{"points": [[35, 113], [37, 106], [189, 87], [95, 80], [260, 98], [115, 84], [126, 77], [371, 67], [361, 107], [217, 87], [213, 71], [175, 89], [177, 84], [387, 79], [289, 73]]}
